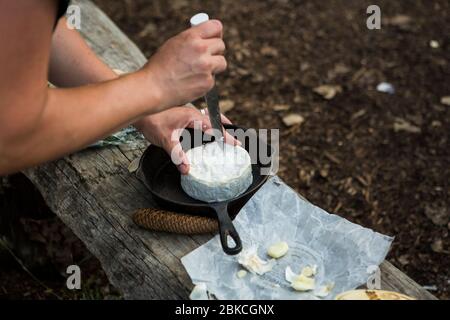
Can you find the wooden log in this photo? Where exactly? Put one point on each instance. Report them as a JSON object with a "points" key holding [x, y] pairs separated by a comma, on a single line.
{"points": [[393, 279], [95, 195]]}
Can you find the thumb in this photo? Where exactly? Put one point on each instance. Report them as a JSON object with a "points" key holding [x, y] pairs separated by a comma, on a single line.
{"points": [[178, 156]]}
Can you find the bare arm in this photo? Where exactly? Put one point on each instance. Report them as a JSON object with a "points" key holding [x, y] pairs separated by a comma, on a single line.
{"points": [[38, 124], [72, 62]]}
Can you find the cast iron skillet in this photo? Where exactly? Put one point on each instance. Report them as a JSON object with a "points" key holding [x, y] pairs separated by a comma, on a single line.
{"points": [[163, 180]]}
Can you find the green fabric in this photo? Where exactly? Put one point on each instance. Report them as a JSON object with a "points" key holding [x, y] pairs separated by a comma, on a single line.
{"points": [[129, 136]]}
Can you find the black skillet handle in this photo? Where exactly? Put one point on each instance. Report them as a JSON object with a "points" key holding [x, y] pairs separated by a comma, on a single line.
{"points": [[226, 228]]}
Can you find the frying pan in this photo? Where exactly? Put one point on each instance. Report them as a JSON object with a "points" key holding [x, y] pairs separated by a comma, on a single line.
{"points": [[163, 180]]}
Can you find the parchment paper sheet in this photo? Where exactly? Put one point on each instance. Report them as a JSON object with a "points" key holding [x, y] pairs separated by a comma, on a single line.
{"points": [[344, 252]]}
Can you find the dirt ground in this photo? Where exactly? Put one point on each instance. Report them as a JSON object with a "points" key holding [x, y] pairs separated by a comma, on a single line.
{"points": [[381, 160]]}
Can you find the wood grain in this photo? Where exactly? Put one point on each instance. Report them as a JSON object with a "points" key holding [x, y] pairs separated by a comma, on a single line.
{"points": [[95, 195]]}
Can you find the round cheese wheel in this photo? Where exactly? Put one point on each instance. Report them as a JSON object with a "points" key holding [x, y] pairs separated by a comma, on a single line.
{"points": [[218, 172]]}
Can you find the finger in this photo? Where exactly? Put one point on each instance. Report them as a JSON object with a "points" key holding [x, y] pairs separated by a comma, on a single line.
{"points": [[231, 140], [228, 138], [219, 64], [199, 120], [223, 118], [178, 156], [184, 168], [190, 105], [215, 46], [209, 29]]}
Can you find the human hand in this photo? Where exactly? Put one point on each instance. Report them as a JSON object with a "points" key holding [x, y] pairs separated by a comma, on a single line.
{"points": [[164, 129], [182, 69]]}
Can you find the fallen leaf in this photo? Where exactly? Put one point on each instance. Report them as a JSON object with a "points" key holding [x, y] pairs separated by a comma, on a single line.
{"points": [[399, 20], [179, 4], [298, 99], [257, 78], [324, 172], [306, 176], [339, 69], [403, 259], [437, 246], [445, 100], [331, 157], [403, 125], [239, 56], [134, 165], [293, 119], [246, 52], [304, 66], [281, 107], [150, 28], [438, 215], [233, 31], [226, 105], [242, 72], [328, 91], [358, 114], [269, 51], [436, 124]]}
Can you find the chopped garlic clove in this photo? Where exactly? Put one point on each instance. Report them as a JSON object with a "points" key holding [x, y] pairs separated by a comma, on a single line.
{"points": [[324, 291], [199, 292], [249, 260], [309, 271], [278, 250], [241, 274], [302, 283]]}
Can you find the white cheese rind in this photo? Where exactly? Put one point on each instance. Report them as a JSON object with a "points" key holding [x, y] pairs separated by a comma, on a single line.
{"points": [[217, 174]]}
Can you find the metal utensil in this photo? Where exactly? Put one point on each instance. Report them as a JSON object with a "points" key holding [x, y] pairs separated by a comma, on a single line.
{"points": [[212, 97], [212, 101]]}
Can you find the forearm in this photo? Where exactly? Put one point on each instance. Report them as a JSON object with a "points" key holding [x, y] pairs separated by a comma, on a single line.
{"points": [[38, 124], [71, 119], [72, 62]]}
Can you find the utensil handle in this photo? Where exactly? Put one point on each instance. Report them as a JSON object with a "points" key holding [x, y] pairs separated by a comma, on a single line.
{"points": [[199, 18], [226, 229], [212, 97]]}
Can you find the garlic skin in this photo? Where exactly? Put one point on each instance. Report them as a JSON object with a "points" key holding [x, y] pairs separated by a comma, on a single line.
{"points": [[300, 282], [241, 274], [250, 260], [199, 292], [289, 275], [324, 291], [309, 271], [278, 250], [305, 281]]}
